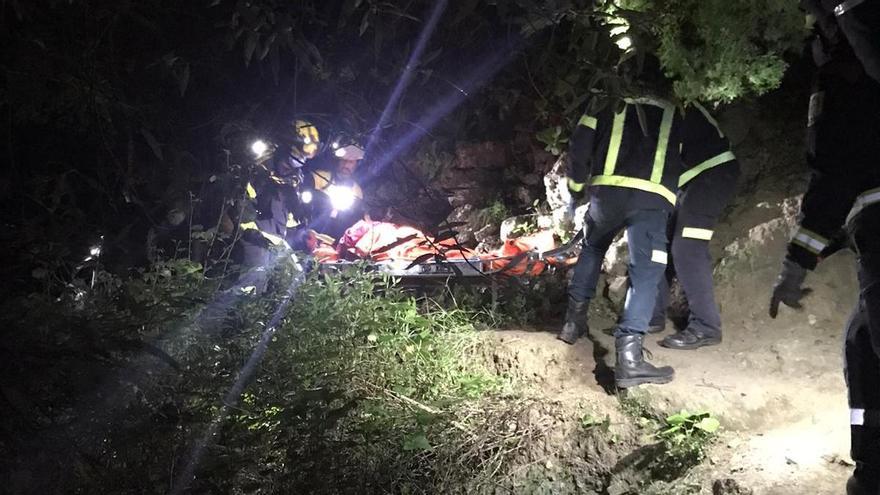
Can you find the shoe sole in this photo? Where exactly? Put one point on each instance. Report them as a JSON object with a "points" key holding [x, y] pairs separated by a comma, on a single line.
{"points": [[567, 341], [688, 347], [633, 382]]}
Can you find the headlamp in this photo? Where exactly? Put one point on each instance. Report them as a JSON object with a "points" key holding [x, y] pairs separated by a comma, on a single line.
{"points": [[306, 197], [341, 197], [259, 147]]}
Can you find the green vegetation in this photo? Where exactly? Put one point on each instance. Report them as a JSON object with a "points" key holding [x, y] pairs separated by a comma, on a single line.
{"points": [[685, 437], [718, 50], [495, 213]]}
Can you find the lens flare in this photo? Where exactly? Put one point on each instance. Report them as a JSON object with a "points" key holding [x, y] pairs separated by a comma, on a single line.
{"points": [[341, 197], [259, 147]]}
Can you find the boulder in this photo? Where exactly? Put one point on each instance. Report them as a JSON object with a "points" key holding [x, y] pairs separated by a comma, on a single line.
{"points": [[489, 154], [617, 258]]}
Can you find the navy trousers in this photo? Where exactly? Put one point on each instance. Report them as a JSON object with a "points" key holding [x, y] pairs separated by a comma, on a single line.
{"points": [[700, 203], [646, 240]]}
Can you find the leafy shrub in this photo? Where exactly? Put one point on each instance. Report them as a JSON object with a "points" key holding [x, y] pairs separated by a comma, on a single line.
{"points": [[718, 50], [684, 438]]}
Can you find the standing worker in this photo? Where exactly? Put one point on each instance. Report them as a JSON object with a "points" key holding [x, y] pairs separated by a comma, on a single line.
{"points": [[633, 175], [843, 150], [271, 193], [707, 186]]}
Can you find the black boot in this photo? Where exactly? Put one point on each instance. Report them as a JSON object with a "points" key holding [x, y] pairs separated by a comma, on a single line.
{"points": [[631, 369], [692, 338], [864, 481], [575, 322], [657, 326], [856, 487]]}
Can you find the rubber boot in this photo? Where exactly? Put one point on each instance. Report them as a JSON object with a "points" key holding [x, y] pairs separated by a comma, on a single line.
{"points": [[575, 322], [632, 369], [691, 338]]}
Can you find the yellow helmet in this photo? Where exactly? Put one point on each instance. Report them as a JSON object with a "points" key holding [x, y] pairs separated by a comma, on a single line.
{"points": [[306, 138]]}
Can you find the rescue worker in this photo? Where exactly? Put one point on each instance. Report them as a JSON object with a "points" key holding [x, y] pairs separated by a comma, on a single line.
{"points": [[843, 146], [706, 187], [271, 194], [337, 197], [634, 180]]}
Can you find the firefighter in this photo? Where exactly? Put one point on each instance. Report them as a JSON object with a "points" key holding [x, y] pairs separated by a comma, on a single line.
{"points": [[271, 193], [338, 198], [634, 180], [843, 145], [706, 187]]}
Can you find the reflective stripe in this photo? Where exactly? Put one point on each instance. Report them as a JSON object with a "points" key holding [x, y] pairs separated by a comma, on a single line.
{"points": [[846, 6], [588, 121], [857, 417], [648, 101], [709, 118], [662, 143], [716, 160], [810, 241], [250, 191], [614, 143], [274, 239], [575, 186], [631, 182], [658, 256], [864, 200], [695, 233]]}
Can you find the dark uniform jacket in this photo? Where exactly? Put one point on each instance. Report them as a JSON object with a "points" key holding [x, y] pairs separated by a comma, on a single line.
{"points": [[612, 153], [704, 146], [843, 138], [271, 203]]}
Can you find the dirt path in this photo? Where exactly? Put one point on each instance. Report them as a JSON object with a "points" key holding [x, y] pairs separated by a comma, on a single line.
{"points": [[783, 434], [776, 385]]}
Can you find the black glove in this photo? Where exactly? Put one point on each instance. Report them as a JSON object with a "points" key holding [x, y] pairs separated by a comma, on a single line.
{"points": [[577, 196], [788, 288]]}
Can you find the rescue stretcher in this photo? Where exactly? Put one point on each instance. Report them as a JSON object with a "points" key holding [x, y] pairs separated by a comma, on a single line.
{"points": [[524, 256]]}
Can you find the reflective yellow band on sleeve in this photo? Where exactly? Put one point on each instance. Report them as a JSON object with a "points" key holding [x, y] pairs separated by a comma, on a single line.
{"points": [[588, 121], [274, 239], [713, 162], [662, 144], [633, 183], [575, 186], [695, 233], [614, 143], [250, 191], [809, 240]]}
